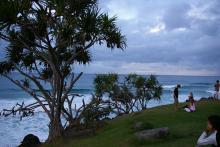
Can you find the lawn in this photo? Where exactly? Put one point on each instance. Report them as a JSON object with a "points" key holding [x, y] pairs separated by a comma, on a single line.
{"points": [[185, 128]]}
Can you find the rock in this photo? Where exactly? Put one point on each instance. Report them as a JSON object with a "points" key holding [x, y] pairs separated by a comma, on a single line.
{"points": [[139, 126], [152, 134], [30, 140], [207, 99], [73, 133]]}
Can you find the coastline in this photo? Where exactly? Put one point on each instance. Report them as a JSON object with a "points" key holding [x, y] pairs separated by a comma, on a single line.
{"points": [[184, 127], [31, 125]]}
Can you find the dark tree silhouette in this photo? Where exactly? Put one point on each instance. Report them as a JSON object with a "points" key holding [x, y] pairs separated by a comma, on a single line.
{"points": [[46, 38]]}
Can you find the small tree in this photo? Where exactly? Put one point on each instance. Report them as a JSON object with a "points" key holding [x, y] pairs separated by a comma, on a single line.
{"points": [[147, 89], [46, 38], [119, 96], [133, 92]]}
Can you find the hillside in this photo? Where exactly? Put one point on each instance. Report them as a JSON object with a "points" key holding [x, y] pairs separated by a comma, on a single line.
{"points": [[185, 128]]}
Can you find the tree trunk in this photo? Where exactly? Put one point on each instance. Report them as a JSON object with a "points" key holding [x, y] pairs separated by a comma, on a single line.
{"points": [[55, 129]]}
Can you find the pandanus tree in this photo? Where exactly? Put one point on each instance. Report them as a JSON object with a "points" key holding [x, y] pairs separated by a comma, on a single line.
{"points": [[146, 89], [45, 40], [129, 94]]}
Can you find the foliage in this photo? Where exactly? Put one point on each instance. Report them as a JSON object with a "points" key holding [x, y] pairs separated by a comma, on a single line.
{"points": [[147, 89], [46, 39], [132, 94], [95, 111]]}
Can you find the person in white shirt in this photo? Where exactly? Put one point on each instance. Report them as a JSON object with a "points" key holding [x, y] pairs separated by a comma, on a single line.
{"points": [[211, 135]]}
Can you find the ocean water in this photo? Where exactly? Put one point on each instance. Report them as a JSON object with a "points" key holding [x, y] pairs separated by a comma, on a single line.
{"points": [[12, 130]]}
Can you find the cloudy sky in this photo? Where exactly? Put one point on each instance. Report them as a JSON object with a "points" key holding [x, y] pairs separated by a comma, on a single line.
{"points": [[167, 37], [164, 37]]}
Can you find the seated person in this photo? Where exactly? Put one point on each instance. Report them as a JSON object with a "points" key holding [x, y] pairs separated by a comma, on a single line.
{"points": [[211, 134], [191, 107], [30, 140]]}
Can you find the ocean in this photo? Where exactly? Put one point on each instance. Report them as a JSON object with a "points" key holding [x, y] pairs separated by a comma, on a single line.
{"points": [[12, 130]]}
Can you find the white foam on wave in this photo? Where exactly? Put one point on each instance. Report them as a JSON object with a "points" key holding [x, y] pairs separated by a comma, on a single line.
{"points": [[172, 86], [168, 87], [12, 130], [210, 91]]}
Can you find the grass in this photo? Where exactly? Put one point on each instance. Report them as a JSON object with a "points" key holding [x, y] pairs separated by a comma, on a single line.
{"points": [[185, 128]]}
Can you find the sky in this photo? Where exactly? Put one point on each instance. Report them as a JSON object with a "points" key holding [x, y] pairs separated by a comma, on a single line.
{"points": [[164, 37]]}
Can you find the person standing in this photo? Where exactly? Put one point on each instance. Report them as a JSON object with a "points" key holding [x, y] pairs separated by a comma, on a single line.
{"points": [[217, 86], [176, 96]]}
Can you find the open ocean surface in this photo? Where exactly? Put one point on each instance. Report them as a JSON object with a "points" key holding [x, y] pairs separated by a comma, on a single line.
{"points": [[12, 130]]}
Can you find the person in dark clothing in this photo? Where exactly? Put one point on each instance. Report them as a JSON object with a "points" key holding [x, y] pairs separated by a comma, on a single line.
{"points": [[175, 96], [30, 140], [217, 87]]}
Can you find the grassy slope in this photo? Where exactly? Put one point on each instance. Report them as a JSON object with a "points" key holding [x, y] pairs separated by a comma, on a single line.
{"points": [[184, 127]]}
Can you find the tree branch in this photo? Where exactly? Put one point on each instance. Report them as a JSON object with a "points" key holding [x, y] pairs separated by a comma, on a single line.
{"points": [[73, 81], [22, 110], [37, 83], [30, 92]]}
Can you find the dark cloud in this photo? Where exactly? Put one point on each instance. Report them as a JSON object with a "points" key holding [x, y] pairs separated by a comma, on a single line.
{"points": [[176, 16], [181, 35], [163, 37]]}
